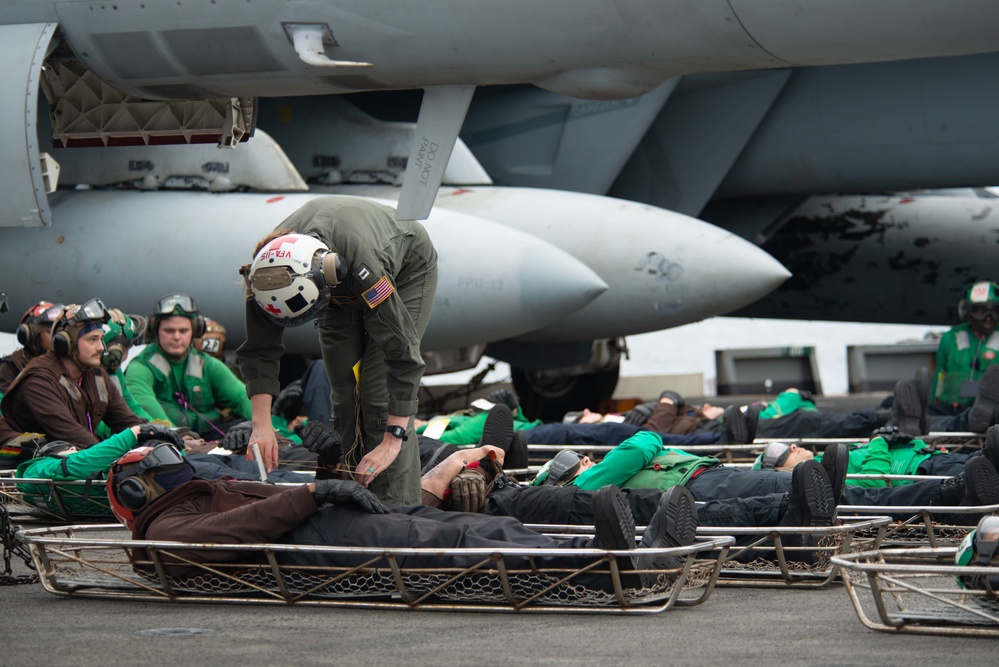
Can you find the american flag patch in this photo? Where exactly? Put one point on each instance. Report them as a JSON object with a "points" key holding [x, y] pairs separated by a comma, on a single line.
{"points": [[380, 291]]}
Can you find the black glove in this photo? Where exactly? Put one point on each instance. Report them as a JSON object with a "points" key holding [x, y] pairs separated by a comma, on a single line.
{"points": [[341, 492], [892, 436], [505, 397], [149, 432], [320, 439], [237, 438], [640, 414]]}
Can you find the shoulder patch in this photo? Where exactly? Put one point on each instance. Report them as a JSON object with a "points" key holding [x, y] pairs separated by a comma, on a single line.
{"points": [[380, 291], [363, 273]]}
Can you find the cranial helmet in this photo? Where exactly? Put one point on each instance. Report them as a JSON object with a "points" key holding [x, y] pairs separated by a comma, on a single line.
{"points": [[560, 470], [54, 448], [980, 547], [175, 305], [142, 475], [37, 319], [975, 304], [775, 455], [213, 340], [75, 321], [120, 332], [290, 278]]}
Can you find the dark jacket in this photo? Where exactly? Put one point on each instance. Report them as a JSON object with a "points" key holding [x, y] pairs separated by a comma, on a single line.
{"points": [[44, 399], [10, 366], [222, 512]]}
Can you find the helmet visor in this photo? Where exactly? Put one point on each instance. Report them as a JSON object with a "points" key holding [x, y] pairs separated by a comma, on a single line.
{"points": [[271, 278], [176, 304]]}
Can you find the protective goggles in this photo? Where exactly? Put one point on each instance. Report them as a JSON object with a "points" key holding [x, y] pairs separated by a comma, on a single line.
{"points": [[43, 313], [163, 458], [980, 311], [775, 455], [91, 311], [176, 304]]}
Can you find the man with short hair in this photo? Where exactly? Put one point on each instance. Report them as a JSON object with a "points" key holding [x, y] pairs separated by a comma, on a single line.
{"points": [[181, 385], [64, 393]]}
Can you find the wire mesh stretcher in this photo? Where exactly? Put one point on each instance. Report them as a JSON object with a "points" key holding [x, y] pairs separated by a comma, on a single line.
{"points": [[926, 526], [47, 500], [772, 556], [915, 591], [97, 561]]}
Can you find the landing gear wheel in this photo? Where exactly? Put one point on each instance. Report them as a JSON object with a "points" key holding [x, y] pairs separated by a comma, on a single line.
{"points": [[548, 397]]}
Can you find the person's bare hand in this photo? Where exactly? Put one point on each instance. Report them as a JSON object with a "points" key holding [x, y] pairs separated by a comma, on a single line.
{"points": [[377, 460], [266, 441]]}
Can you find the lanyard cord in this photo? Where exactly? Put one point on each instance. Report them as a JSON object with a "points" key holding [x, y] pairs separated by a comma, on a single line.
{"points": [[182, 401]]}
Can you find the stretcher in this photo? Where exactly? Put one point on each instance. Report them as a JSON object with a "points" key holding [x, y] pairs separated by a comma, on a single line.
{"points": [[772, 556], [915, 591], [922, 526], [75, 501], [955, 441], [96, 561]]}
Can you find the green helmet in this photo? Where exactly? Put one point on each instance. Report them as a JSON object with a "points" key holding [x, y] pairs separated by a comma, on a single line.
{"points": [[120, 333], [981, 301]]}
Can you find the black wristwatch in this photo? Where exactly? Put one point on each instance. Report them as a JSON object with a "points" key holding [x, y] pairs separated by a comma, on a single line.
{"points": [[398, 432]]}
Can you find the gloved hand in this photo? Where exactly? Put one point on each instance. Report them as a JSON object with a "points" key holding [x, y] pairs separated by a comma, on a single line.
{"points": [[320, 438], [237, 438], [892, 436], [343, 491], [504, 396], [468, 490], [149, 432], [639, 414]]}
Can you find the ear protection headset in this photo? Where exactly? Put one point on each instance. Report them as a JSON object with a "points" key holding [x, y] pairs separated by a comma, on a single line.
{"points": [[62, 341], [136, 491]]}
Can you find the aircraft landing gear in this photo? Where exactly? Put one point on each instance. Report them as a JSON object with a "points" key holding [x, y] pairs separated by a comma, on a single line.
{"points": [[548, 395]]}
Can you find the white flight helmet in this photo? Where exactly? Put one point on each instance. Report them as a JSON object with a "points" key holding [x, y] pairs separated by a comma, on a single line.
{"points": [[287, 279]]}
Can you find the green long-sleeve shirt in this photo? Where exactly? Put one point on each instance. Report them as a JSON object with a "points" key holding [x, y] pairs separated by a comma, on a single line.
{"points": [[467, 429], [77, 466]]}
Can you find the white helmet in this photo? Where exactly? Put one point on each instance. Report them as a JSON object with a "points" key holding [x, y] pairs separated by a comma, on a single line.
{"points": [[287, 281]]}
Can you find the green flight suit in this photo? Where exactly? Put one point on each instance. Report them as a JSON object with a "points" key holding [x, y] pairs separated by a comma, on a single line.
{"points": [[962, 356], [377, 316], [206, 383]]}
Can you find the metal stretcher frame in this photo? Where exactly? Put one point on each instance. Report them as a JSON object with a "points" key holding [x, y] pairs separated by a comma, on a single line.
{"points": [[915, 591], [73, 561], [776, 564], [920, 529], [60, 497], [956, 440]]}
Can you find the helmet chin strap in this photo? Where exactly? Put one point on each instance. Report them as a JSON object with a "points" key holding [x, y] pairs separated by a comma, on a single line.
{"points": [[334, 269]]}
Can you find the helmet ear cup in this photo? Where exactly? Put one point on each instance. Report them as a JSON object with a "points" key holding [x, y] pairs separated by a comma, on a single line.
{"points": [[334, 269], [133, 493], [963, 310], [62, 344], [198, 326], [24, 335]]}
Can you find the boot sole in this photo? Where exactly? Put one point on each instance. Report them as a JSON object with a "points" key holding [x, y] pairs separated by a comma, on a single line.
{"points": [[981, 483], [816, 497], [498, 428], [612, 519], [990, 450], [909, 408], [836, 467]]}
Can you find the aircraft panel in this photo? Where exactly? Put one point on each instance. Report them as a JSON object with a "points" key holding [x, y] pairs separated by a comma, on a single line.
{"points": [[23, 200]]}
